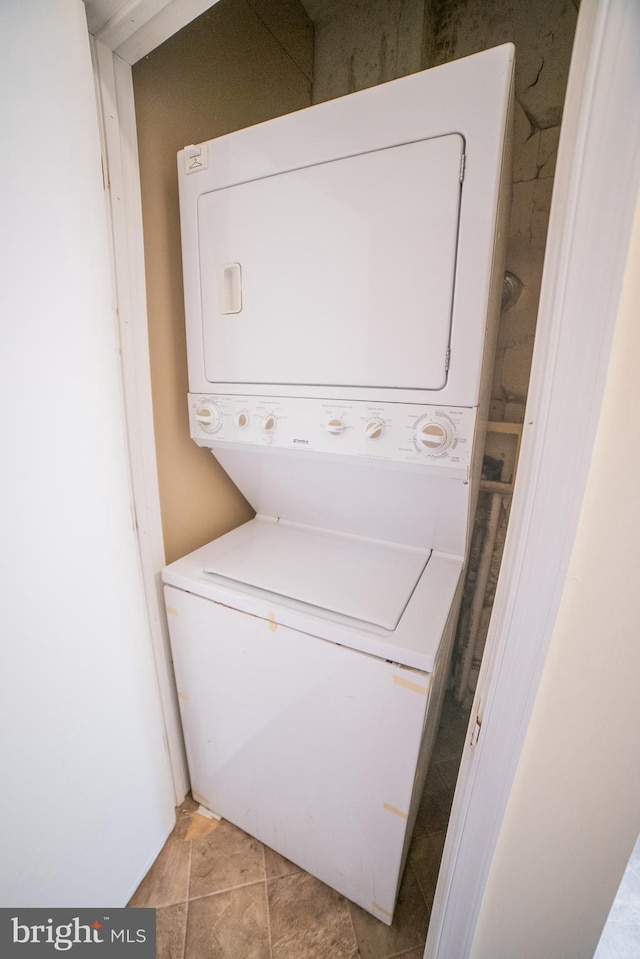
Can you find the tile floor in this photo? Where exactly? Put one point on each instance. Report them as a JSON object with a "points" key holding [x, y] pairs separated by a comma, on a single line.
{"points": [[222, 895]]}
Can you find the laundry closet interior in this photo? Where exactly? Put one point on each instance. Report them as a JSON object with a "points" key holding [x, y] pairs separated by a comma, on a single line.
{"points": [[241, 64]]}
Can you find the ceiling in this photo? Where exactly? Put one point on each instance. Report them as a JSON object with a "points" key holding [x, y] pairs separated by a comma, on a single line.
{"points": [[106, 16], [132, 28], [99, 11]]}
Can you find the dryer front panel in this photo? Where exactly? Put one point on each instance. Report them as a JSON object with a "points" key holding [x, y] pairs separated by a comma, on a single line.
{"points": [[339, 274]]}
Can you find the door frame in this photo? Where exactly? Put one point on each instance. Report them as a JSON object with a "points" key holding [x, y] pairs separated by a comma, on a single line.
{"points": [[601, 132], [132, 33], [594, 200]]}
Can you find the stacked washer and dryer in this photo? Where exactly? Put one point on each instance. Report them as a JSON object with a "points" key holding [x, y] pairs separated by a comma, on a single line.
{"points": [[342, 275]]}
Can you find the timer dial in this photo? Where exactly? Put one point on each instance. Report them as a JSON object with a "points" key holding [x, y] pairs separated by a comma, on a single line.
{"points": [[208, 417], [434, 436]]}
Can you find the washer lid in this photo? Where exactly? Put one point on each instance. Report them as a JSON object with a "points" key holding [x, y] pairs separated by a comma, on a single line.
{"points": [[365, 579]]}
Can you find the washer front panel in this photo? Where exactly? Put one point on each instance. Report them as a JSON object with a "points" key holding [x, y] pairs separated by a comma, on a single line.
{"points": [[308, 746]]}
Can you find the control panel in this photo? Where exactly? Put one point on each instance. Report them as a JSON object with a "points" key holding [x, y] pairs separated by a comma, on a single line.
{"points": [[398, 432]]}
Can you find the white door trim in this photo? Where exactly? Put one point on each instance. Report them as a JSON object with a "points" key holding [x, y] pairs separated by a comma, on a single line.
{"points": [[139, 26], [134, 31], [122, 180], [595, 193]]}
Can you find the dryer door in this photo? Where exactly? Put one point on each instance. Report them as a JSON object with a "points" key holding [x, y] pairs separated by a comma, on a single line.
{"points": [[339, 274]]}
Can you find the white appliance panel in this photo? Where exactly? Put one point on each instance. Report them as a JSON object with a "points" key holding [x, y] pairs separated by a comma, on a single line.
{"points": [[353, 496], [415, 642], [435, 438], [309, 746], [470, 97], [310, 275], [391, 471], [361, 578]]}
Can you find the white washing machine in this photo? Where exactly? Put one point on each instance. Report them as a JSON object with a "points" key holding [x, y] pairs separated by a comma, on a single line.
{"points": [[342, 271]]}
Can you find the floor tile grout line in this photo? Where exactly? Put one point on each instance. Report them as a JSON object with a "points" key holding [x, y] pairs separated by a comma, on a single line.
{"points": [[186, 912], [220, 892], [243, 885], [405, 952], [266, 896], [353, 927], [287, 875], [417, 879], [184, 934]]}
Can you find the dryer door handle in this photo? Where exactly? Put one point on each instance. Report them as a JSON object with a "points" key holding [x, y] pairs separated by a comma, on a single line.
{"points": [[229, 277]]}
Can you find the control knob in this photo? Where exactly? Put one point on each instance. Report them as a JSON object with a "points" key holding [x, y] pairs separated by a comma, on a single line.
{"points": [[208, 417], [335, 426], [241, 419], [433, 436], [269, 423], [374, 428]]}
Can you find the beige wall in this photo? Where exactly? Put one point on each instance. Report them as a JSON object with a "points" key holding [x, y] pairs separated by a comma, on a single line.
{"points": [[573, 815], [242, 62]]}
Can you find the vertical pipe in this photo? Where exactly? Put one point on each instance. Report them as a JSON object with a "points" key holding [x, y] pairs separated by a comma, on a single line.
{"points": [[477, 602]]}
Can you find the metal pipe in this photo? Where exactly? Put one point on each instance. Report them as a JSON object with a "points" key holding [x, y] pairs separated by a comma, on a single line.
{"points": [[477, 602]]}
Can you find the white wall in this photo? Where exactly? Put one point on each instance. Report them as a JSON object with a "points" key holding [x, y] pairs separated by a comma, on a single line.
{"points": [[87, 799], [573, 813]]}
